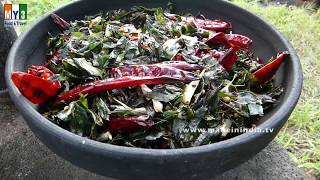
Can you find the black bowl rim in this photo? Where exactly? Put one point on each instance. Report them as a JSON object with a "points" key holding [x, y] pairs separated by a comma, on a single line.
{"points": [[28, 111]]}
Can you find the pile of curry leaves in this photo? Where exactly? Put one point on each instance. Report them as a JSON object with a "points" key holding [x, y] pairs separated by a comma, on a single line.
{"points": [[221, 100]]}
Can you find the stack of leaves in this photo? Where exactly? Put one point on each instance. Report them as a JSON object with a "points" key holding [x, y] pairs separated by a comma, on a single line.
{"points": [[148, 78]]}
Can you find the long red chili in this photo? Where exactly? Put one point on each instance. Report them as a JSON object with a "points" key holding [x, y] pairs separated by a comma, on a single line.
{"points": [[266, 73], [169, 72], [129, 124], [61, 23], [55, 57], [119, 83], [169, 68]]}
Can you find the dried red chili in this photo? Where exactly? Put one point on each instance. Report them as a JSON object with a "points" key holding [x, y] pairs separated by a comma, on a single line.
{"points": [[179, 57], [168, 68], [228, 59], [238, 41], [35, 84], [119, 83], [34, 88], [212, 25], [235, 41], [43, 73], [61, 23], [129, 124], [266, 73]]}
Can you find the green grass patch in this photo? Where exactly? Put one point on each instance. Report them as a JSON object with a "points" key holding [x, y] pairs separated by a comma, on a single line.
{"points": [[36, 9], [301, 26], [300, 136]]}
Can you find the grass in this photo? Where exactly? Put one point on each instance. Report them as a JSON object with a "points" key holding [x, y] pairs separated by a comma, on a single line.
{"points": [[300, 136], [36, 9]]}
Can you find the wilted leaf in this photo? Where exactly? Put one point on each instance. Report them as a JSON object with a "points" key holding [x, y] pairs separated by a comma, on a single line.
{"points": [[88, 67], [255, 109], [67, 112], [164, 94], [71, 67], [96, 118], [102, 109], [153, 137], [104, 137], [253, 102]]}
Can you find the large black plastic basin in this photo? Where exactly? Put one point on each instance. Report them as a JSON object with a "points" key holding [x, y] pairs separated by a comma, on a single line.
{"points": [[135, 163]]}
